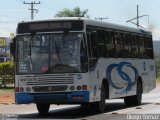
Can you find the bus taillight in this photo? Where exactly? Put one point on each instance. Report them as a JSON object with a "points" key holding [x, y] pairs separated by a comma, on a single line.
{"points": [[84, 87], [17, 89], [21, 89]]}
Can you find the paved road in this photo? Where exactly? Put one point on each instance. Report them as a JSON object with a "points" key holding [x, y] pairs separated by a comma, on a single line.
{"points": [[115, 110]]}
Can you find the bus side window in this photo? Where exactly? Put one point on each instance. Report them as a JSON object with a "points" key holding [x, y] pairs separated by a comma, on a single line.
{"points": [[92, 45], [92, 39], [127, 46], [92, 48], [110, 44], [148, 47], [134, 47], [101, 44], [119, 45], [141, 46]]}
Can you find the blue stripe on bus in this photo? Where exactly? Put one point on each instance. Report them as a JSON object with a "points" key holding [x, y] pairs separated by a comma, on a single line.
{"points": [[25, 98]]}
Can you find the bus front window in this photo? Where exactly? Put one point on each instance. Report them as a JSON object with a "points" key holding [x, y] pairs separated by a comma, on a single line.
{"points": [[51, 53], [65, 52], [33, 54]]}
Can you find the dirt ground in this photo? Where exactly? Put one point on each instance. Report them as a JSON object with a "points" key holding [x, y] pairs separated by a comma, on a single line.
{"points": [[7, 97]]}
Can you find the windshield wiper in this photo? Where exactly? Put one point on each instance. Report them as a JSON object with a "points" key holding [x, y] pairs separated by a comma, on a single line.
{"points": [[57, 51]]}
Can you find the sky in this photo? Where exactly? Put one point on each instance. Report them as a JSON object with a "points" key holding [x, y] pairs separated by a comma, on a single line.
{"points": [[117, 11]]}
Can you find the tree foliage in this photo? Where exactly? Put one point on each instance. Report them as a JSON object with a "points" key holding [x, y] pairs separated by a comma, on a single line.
{"points": [[158, 68], [6, 73], [76, 12], [8, 64]]}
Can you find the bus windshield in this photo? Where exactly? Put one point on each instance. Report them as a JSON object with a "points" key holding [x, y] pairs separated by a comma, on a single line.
{"points": [[51, 53]]}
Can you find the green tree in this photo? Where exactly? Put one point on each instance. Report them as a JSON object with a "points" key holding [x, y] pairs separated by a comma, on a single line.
{"points": [[6, 73], [158, 68], [76, 12]]}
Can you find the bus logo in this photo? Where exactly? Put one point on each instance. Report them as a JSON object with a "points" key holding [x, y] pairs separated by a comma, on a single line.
{"points": [[25, 79], [122, 74]]}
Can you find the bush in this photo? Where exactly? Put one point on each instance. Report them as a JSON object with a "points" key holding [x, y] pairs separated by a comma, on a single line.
{"points": [[6, 73], [8, 64]]}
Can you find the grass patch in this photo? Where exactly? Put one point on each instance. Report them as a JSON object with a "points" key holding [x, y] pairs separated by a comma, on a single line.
{"points": [[9, 89], [158, 77]]}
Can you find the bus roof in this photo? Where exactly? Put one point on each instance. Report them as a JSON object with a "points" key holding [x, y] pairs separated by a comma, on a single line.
{"points": [[116, 27], [97, 23]]}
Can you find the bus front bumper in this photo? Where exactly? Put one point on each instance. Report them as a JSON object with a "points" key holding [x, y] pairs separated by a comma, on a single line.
{"points": [[53, 98]]}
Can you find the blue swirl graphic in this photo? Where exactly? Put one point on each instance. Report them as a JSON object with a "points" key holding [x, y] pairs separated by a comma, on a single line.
{"points": [[122, 74], [109, 69]]}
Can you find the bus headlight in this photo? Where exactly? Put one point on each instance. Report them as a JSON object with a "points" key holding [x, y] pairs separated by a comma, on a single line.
{"points": [[21, 89], [28, 89], [17, 89], [78, 87], [72, 88]]}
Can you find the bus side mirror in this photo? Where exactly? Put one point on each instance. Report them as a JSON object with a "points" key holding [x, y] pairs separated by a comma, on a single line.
{"points": [[13, 46]]}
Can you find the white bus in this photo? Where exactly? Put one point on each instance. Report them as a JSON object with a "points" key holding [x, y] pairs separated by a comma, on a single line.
{"points": [[81, 61]]}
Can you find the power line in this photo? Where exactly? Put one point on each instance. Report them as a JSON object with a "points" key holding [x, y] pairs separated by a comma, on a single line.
{"points": [[137, 18], [32, 8]]}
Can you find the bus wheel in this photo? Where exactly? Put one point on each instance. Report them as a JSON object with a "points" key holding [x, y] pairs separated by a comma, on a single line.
{"points": [[138, 97], [100, 106], [43, 108], [128, 101]]}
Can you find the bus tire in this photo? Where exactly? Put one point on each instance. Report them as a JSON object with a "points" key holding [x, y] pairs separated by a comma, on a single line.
{"points": [[136, 99], [100, 105], [43, 108], [128, 101]]}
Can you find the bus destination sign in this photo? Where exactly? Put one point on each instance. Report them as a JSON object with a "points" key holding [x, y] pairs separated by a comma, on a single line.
{"points": [[48, 26]]}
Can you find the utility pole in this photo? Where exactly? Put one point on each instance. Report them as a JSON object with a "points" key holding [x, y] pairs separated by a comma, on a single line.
{"points": [[137, 18], [32, 8], [137, 15]]}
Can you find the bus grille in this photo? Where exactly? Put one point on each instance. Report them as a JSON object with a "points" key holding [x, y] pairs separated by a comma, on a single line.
{"points": [[50, 88], [50, 79], [50, 99]]}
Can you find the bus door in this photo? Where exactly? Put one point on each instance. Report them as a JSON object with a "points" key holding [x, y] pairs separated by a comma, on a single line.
{"points": [[92, 50], [93, 60]]}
